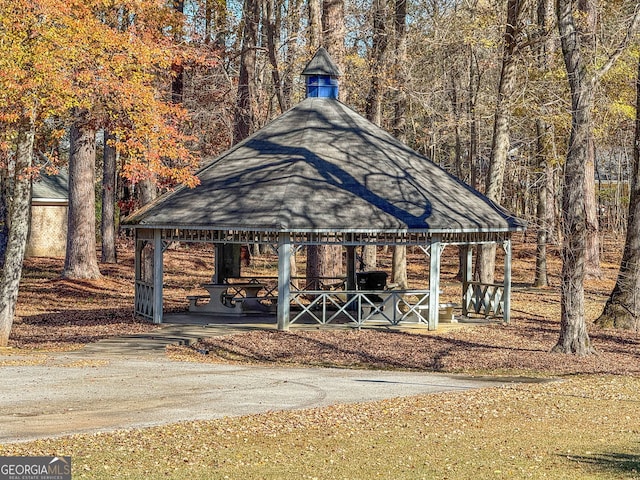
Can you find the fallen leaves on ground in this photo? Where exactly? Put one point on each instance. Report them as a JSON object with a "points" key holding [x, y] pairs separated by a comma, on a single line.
{"points": [[516, 349], [57, 314]]}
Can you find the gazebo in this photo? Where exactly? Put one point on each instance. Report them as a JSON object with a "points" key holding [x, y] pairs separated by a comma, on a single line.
{"points": [[321, 174]]}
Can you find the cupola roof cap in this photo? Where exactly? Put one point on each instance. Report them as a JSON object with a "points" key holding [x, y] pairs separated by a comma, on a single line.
{"points": [[321, 64]]}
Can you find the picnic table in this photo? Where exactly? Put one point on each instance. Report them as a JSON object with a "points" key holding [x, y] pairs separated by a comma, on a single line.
{"points": [[228, 298]]}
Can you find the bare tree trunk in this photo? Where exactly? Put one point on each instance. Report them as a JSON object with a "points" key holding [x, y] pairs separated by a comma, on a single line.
{"points": [[399, 126], [177, 69], [294, 269], [592, 260], [377, 63], [500, 143], [373, 107], [541, 278], [294, 26], [80, 260], [326, 260], [455, 113], [323, 261], [4, 213], [315, 24], [333, 35], [147, 190], [215, 22], [108, 224], [399, 267], [573, 332], [544, 19], [222, 21], [399, 254], [270, 27], [553, 202], [244, 115], [208, 21], [543, 151], [19, 228], [622, 309], [474, 87], [369, 258], [587, 33], [574, 337], [502, 119]]}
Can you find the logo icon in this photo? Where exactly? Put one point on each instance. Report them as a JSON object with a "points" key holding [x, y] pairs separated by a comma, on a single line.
{"points": [[35, 468]]}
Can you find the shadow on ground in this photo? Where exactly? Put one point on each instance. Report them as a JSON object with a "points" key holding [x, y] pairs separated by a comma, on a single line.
{"points": [[611, 462]]}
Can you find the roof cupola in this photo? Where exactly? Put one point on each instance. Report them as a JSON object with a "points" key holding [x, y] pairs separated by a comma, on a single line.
{"points": [[321, 76]]}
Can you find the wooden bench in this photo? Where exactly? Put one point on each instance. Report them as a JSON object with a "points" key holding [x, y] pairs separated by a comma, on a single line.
{"points": [[193, 300], [445, 312]]}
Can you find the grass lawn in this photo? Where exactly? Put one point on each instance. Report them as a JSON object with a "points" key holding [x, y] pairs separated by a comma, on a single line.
{"points": [[584, 427]]}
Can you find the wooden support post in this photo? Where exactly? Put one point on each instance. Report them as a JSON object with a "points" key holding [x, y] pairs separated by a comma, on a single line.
{"points": [[284, 279], [157, 276], [351, 274], [434, 282], [351, 268], [137, 255], [217, 263], [137, 265], [506, 292], [467, 272]]}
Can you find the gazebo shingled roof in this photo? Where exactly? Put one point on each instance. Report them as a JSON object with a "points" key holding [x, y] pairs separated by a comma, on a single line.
{"points": [[322, 167]]}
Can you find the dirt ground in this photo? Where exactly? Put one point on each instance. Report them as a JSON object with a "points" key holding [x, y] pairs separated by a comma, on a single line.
{"points": [[57, 314]]}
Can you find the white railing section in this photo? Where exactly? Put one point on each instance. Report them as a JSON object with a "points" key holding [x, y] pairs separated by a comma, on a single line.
{"points": [[485, 299], [143, 304], [361, 306]]}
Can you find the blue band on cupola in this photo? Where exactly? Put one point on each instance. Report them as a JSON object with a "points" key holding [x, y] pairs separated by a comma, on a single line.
{"points": [[323, 86]]}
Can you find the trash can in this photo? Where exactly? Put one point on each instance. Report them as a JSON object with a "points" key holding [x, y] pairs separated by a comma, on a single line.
{"points": [[375, 280]]}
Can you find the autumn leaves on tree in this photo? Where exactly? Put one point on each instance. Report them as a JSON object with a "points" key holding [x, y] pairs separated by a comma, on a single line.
{"points": [[83, 65]]}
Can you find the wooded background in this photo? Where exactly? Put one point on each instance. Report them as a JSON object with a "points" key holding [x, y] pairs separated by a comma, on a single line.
{"points": [[134, 96]]}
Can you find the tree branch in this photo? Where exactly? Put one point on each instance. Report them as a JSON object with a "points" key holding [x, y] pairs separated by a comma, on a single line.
{"points": [[633, 26]]}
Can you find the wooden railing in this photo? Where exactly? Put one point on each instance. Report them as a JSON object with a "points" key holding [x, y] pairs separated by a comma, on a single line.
{"points": [[143, 304], [484, 299], [360, 306]]}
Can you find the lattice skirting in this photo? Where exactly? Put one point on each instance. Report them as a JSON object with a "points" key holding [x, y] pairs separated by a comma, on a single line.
{"points": [[144, 300], [484, 299]]}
